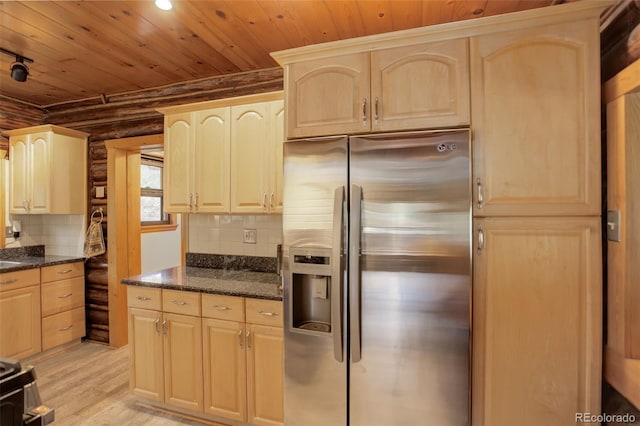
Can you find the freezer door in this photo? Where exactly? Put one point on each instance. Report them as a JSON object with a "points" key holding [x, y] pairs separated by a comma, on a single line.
{"points": [[314, 223], [410, 279]]}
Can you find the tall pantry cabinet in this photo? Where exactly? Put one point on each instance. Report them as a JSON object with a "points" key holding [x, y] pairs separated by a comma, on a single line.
{"points": [[534, 115], [537, 267]]}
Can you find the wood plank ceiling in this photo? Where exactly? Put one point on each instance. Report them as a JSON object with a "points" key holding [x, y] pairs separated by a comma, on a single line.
{"points": [[84, 49]]}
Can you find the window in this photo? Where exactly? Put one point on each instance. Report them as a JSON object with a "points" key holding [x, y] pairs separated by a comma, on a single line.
{"points": [[151, 193]]}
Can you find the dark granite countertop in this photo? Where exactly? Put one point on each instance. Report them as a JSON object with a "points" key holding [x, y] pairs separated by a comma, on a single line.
{"points": [[31, 262], [259, 285]]}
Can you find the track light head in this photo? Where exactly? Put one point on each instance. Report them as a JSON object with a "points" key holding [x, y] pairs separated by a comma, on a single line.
{"points": [[19, 71]]}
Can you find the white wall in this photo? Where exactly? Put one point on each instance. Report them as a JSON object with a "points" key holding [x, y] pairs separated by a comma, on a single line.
{"points": [[224, 234], [160, 250]]}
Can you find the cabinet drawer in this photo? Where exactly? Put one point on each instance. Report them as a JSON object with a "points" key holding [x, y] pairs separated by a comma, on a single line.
{"points": [[181, 302], [19, 279], [223, 307], [62, 272], [144, 297], [265, 312], [62, 295], [63, 328]]}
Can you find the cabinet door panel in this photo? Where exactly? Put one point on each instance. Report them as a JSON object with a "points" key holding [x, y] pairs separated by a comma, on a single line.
{"points": [[265, 375], [225, 374], [40, 173], [325, 96], [20, 322], [277, 138], [537, 321], [178, 170], [19, 174], [536, 121], [420, 86], [183, 362], [249, 158], [145, 353], [211, 161]]}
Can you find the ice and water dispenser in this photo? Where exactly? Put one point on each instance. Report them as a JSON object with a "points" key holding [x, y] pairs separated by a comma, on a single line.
{"points": [[311, 289]]}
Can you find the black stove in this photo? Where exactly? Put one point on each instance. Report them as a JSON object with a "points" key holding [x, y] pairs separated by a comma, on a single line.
{"points": [[20, 402]]}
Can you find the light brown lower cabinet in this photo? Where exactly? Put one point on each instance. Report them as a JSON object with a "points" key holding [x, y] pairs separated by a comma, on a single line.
{"points": [[20, 314], [165, 353], [63, 313], [218, 363], [537, 321]]}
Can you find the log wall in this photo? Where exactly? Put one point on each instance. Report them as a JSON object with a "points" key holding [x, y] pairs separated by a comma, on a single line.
{"points": [[122, 116]]}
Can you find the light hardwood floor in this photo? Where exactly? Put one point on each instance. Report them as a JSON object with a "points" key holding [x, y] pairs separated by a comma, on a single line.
{"points": [[89, 385]]}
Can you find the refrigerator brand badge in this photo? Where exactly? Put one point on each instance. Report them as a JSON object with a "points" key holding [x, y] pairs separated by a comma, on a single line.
{"points": [[447, 147]]}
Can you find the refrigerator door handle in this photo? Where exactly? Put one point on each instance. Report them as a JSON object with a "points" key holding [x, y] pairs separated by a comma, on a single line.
{"points": [[336, 274], [354, 271]]}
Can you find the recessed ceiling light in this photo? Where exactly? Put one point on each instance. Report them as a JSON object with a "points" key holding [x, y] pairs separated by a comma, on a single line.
{"points": [[164, 4]]}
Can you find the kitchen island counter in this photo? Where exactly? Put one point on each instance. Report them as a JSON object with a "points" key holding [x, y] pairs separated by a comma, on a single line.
{"points": [[259, 285]]}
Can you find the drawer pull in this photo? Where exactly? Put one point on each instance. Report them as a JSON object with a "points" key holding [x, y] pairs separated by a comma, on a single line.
{"points": [[64, 296], [8, 281], [65, 328], [268, 314], [179, 302], [221, 308], [143, 298], [66, 271]]}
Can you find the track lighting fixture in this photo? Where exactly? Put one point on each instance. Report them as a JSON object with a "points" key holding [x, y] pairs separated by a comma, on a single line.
{"points": [[19, 70]]}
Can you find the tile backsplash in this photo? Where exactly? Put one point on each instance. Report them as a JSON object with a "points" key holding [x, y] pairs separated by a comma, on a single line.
{"points": [[62, 235], [224, 234]]}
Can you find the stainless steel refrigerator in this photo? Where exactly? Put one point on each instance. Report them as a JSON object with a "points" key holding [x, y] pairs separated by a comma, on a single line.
{"points": [[377, 279]]}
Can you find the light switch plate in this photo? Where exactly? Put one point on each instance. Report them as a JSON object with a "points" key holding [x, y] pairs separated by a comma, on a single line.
{"points": [[250, 236], [613, 225]]}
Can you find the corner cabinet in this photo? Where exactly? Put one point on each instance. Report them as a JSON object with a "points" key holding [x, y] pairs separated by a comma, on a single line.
{"points": [[536, 121], [196, 172], [419, 86], [222, 156], [46, 165]]}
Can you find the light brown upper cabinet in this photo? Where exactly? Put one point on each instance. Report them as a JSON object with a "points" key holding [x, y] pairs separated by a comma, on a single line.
{"points": [[48, 169], [536, 121], [225, 156], [257, 133], [196, 172], [411, 87]]}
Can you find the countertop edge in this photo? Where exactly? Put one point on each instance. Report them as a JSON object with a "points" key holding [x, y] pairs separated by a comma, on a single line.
{"points": [[32, 263]]}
